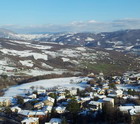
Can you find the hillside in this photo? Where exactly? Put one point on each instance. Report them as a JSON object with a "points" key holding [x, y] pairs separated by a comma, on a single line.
{"points": [[127, 41], [32, 58]]}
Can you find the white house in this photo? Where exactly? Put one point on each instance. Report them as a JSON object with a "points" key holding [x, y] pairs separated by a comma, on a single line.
{"points": [[60, 109], [95, 105], [47, 109], [30, 120], [16, 109]]}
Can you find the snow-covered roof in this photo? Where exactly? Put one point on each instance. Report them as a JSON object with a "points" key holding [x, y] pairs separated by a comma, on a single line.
{"points": [[61, 97], [131, 109], [94, 103], [24, 112], [112, 95], [16, 108], [28, 112], [108, 99], [47, 108], [49, 99], [29, 120], [60, 108], [85, 98], [55, 120]]}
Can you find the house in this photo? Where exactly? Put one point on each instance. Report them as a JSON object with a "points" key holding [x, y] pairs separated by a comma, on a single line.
{"points": [[27, 100], [101, 92], [55, 121], [108, 100], [41, 91], [60, 98], [125, 109], [16, 109], [38, 114], [73, 92], [117, 81], [5, 101], [47, 109], [49, 101], [61, 93], [91, 75], [95, 105], [30, 121], [39, 105], [132, 110], [99, 96], [85, 98], [116, 93], [32, 96], [105, 87], [60, 109]]}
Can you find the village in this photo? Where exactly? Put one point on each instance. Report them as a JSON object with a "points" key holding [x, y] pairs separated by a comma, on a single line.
{"points": [[112, 100]]}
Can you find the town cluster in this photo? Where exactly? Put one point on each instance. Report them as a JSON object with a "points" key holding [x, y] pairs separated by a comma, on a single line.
{"points": [[113, 99]]}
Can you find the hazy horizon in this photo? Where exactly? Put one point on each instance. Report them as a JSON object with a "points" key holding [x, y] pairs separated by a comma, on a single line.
{"points": [[69, 16]]}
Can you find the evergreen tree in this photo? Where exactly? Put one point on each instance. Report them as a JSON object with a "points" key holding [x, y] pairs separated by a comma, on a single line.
{"points": [[73, 106]]}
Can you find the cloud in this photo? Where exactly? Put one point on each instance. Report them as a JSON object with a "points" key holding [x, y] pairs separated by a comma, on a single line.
{"points": [[79, 26]]}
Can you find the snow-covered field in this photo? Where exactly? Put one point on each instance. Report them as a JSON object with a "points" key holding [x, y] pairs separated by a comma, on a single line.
{"points": [[49, 83]]}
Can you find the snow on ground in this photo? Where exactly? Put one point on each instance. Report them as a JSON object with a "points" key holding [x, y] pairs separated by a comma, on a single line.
{"points": [[65, 59], [40, 46], [3, 62], [25, 53], [37, 72], [51, 53], [109, 48], [28, 63], [47, 66], [20, 42], [129, 47], [77, 38], [30, 36], [89, 39], [49, 83], [81, 48], [70, 52]]}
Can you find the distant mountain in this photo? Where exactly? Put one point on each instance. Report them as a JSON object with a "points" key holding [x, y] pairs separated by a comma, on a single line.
{"points": [[127, 41], [5, 33]]}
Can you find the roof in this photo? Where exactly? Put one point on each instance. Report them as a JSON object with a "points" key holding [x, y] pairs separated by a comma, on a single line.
{"points": [[55, 120], [16, 107], [60, 108], [28, 112], [94, 103], [108, 99], [24, 112], [131, 109], [47, 108], [39, 103], [29, 120], [49, 99], [112, 95]]}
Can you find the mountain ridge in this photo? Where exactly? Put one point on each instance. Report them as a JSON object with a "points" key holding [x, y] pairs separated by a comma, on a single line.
{"points": [[127, 41]]}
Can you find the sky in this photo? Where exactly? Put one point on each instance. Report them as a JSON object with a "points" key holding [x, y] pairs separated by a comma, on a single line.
{"points": [[68, 15]]}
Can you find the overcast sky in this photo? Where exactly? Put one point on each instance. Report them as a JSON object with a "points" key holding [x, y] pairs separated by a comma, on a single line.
{"points": [[69, 15]]}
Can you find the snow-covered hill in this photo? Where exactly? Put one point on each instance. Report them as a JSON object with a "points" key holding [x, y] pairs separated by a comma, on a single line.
{"points": [[50, 83], [20, 57], [127, 41]]}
